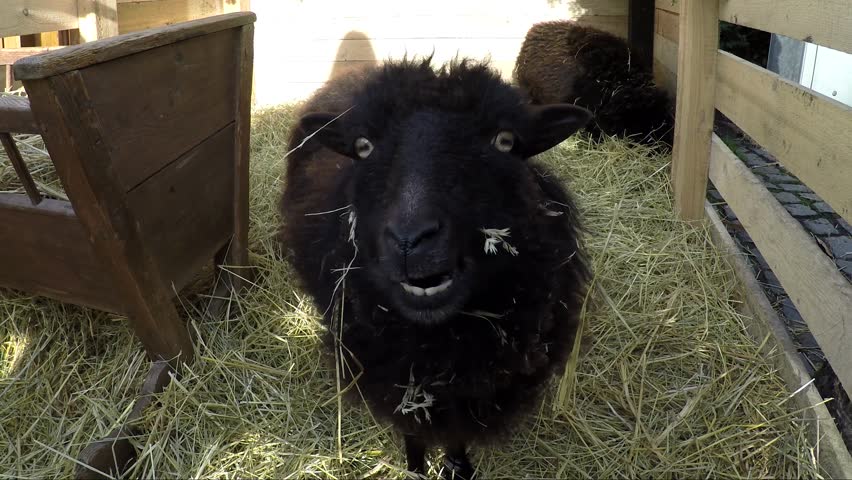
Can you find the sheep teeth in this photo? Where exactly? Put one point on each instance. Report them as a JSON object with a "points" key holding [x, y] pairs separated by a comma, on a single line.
{"points": [[416, 291], [439, 288], [428, 292]]}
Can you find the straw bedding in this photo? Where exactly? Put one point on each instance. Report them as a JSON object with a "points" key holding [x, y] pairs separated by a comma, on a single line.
{"points": [[668, 385]]}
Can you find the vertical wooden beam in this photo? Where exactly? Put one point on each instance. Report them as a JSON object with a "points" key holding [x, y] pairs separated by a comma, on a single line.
{"points": [[696, 87], [640, 30], [97, 19], [20, 167], [238, 249]]}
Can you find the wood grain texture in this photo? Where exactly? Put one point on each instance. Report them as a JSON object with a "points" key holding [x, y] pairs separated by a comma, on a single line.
{"points": [[136, 16], [74, 138], [667, 25], [97, 19], [24, 17], [238, 249], [767, 329], [46, 252], [824, 22], [16, 115], [806, 131], [20, 168], [189, 94], [672, 6], [9, 56], [821, 294], [84, 55], [696, 80], [184, 212]]}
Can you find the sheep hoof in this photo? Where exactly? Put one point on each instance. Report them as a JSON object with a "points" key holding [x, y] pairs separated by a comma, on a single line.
{"points": [[457, 468]]}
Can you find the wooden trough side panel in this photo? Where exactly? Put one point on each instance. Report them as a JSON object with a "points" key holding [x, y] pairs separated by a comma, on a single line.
{"points": [[696, 72], [24, 17], [819, 291], [188, 94], [185, 210], [807, 132], [74, 136], [825, 22], [766, 328], [46, 251]]}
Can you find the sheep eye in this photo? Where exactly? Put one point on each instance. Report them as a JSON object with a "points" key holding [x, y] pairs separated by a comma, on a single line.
{"points": [[363, 147], [504, 141]]}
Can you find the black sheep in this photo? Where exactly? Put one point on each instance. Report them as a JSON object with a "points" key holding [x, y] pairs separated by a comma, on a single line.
{"points": [[413, 213], [565, 62]]}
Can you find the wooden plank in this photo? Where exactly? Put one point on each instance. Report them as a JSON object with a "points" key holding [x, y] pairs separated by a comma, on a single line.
{"points": [[667, 25], [696, 74], [73, 136], [672, 6], [24, 17], [665, 51], [640, 29], [136, 16], [16, 116], [81, 56], [189, 91], [184, 212], [97, 19], [826, 22], [238, 249], [12, 55], [12, 42], [46, 251], [20, 168], [820, 292], [806, 131], [767, 329]]}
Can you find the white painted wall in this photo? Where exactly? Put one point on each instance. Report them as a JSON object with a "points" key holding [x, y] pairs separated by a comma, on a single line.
{"points": [[299, 43]]}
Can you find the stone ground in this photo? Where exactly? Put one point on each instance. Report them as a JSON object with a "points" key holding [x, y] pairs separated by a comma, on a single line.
{"points": [[831, 233]]}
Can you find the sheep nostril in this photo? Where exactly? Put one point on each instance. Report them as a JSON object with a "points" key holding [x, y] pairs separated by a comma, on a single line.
{"points": [[410, 236]]}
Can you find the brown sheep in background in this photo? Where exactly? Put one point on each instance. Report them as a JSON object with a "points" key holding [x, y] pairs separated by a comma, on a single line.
{"points": [[565, 62]]}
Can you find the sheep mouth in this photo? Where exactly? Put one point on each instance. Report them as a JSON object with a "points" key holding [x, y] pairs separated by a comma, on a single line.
{"points": [[435, 297], [428, 286]]}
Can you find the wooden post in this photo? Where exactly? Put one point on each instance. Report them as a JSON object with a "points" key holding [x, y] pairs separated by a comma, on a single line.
{"points": [[97, 19], [696, 97], [640, 30]]}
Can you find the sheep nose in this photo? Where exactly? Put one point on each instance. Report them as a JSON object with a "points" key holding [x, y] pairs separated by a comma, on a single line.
{"points": [[412, 236]]}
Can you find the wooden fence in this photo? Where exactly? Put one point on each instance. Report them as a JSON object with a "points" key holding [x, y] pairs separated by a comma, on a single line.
{"points": [[805, 131]]}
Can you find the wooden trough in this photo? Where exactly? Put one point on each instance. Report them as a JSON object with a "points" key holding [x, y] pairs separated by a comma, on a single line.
{"points": [[808, 133], [149, 134]]}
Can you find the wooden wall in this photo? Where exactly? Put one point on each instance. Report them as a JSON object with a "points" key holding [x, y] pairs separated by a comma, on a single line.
{"points": [[299, 44]]}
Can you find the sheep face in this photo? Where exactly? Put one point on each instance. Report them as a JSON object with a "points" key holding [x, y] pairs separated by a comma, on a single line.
{"points": [[425, 185]]}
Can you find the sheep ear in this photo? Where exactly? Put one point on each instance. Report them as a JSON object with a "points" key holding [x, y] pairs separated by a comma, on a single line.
{"points": [[326, 130], [551, 124]]}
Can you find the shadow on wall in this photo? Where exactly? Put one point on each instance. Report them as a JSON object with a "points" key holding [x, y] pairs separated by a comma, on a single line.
{"points": [[354, 52]]}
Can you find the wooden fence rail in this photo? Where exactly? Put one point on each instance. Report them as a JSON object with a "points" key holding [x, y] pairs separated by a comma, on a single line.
{"points": [[807, 132]]}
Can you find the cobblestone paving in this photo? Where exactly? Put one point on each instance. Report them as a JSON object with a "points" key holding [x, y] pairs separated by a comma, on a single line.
{"points": [[830, 232]]}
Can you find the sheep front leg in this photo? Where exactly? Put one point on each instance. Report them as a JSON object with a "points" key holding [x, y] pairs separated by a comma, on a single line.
{"points": [[415, 454], [456, 464]]}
